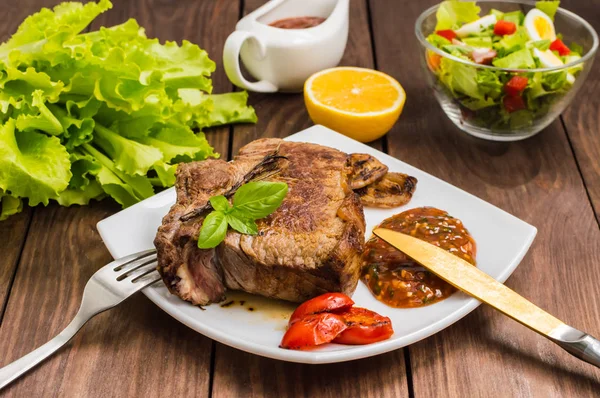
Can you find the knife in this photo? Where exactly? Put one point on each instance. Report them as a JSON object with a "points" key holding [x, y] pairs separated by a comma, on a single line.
{"points": [[483, 287]]}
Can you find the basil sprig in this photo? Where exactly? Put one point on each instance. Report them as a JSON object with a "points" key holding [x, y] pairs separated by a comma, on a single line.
{"points": [[252, 201]]}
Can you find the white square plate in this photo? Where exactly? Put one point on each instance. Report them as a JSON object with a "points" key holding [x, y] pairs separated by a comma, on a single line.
{"points": [[502, 241]]}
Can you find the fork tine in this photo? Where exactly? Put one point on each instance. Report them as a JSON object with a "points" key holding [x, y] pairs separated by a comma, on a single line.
{"points": [[144, 274], [119, 263], [130, 268], [139, 272]]}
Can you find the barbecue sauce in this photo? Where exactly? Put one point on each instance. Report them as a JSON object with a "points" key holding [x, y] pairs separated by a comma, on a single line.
{"points": [[396, 279]]}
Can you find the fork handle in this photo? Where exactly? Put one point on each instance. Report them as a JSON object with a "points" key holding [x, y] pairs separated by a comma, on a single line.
{"points": [[11, 372]]}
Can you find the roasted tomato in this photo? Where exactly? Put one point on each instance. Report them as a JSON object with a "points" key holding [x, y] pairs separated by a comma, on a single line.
{"points": [[328, 302], [364, 327], [313, 330]]}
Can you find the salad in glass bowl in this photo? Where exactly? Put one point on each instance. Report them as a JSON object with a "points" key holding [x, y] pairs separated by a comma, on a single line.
{"points": [[504, 70]]}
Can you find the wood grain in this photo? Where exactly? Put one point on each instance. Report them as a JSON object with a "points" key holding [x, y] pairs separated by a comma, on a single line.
{"points": [[135, 349], [537, 180], [238, 374], [582, 118], [12, 235], [13, 230]]}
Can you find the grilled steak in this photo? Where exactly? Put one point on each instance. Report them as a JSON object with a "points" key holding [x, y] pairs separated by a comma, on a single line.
{"points": [[310, 245]]}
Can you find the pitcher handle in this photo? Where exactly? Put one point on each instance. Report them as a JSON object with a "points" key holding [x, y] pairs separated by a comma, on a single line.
{"points": [[231, 62]]}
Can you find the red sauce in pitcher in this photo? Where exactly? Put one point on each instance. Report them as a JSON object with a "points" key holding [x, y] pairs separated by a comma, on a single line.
{"points": [[297, 22]]}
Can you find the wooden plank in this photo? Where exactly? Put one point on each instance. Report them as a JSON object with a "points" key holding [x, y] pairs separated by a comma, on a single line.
{"points": [[135, 349], [582, 118], [12, 238], [13, 230], [488, 354], [238, 374]]}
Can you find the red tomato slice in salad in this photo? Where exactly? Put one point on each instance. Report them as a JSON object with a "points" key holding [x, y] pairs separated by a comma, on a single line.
{"points": [[560, 47], [513, 104], [313, 330], [448, 34], [516, 85], [328, 302], [364, 327], [502, 28]]}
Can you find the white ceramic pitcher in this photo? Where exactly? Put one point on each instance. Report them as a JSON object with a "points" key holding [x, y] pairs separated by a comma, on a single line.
{"points": [[282, 59]]}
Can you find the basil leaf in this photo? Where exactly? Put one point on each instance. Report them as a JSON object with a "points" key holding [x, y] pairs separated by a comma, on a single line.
{"points": [[213, 230], [258, 199], [220, 203], [243, 226]]}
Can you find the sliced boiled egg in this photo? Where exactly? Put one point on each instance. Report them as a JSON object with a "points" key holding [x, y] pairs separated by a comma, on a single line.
{"points": [[539, 26], [475, 27], [548, 59]]}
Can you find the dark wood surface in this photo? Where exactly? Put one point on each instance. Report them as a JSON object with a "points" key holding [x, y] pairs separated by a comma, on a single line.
{"points": [[551, 181]]}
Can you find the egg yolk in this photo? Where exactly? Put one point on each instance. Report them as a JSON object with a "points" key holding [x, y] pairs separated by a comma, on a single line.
{"points": [[543, 28]]}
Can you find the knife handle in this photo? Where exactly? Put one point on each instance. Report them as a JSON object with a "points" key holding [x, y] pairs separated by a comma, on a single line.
{"points": [[577, 343]]}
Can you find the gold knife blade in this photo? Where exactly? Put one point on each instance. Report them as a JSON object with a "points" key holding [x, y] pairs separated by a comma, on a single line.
{"points": [[472, 281], [483, 287]]}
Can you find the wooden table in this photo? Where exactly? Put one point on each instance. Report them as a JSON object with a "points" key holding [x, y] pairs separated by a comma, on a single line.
{"points": [[551, 181]]}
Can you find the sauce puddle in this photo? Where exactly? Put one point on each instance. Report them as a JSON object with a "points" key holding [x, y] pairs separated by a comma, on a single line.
{"points": [[399, 281]]}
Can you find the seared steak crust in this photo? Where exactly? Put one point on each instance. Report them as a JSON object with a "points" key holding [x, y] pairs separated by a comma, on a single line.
{"points": [[309, 246]]}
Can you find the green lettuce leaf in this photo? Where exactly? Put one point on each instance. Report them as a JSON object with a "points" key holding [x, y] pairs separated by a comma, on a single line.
{"points": [[165, 173], [9, 205], [548, 7], [129, 156], [124, 189], [32, 165], [511, 43], [438, 40], [38, 117], [489, 83], [66, 18], [516, 17], [521, 59], [483, 41], [228, 108], [460, 78], [81, 196], [179, 144], [452, 13]]}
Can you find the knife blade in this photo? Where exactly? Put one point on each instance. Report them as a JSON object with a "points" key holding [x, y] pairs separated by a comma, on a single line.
{"points": [[483, 287]]}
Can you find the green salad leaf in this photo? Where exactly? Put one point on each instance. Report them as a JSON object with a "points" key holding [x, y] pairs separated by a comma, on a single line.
{"points": [[549, 7], [32, 165], [9, 205], [521, 59], [453, 13], [460, 78], [103, 113]]}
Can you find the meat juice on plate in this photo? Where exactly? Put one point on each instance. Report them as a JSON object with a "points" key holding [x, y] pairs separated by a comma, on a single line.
{"points": [[396, 279]]}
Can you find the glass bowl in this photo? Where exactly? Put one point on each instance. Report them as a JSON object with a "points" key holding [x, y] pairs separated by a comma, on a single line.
{"points": [[494, 122]]}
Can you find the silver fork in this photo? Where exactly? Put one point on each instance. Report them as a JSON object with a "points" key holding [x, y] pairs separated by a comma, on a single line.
{"points": [[108, 287]]}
